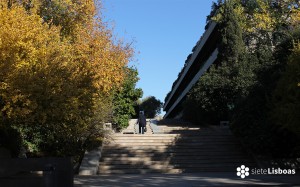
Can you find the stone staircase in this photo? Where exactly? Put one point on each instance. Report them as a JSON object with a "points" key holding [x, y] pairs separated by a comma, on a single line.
{"points": [[177, 149]]}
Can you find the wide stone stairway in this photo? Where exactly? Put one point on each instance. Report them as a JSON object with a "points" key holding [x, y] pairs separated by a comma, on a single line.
{"points": [[173, 148]]}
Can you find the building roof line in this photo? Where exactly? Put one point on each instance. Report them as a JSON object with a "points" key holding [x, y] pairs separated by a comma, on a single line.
{"points": [[199, 47], [202, 70]]}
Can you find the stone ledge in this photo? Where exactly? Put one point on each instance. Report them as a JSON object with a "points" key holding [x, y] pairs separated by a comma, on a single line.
{"points": [[90, 162], [155, 129]]}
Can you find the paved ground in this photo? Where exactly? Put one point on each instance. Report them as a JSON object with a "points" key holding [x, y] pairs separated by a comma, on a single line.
{"points": [[185, 180]]}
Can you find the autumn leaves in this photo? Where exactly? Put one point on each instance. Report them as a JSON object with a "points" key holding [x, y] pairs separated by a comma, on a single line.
{"points": [[58, 63]]}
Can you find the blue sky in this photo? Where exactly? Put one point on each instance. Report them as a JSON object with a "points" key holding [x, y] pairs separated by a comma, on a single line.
{"points": [[164, 33]]}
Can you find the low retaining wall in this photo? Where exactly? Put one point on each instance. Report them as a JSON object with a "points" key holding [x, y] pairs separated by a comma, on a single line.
{"points": [[90, 162], [56, 172]]}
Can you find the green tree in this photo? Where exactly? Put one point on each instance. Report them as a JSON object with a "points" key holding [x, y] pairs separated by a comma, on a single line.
{"points": [[270, 44], [216, 94], [286, 96], [125, 99], [151, 106], [256, 83]]}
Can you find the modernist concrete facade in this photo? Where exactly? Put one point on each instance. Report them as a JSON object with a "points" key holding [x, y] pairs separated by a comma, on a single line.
{"points": [[204, 54]]}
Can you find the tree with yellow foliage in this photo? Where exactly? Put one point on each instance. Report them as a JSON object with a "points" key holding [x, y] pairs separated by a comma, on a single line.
{"points": [[58, 64]]}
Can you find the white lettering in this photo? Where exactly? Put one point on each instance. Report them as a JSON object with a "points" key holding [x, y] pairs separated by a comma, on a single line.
{"points": [[270, 172], [285, 171]]}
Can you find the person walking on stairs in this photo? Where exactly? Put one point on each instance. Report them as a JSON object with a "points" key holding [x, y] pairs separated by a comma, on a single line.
{"points": [[142, 122]]}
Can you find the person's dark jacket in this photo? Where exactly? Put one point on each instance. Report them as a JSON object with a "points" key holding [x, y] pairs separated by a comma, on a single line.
{"points": [[142, 120]]}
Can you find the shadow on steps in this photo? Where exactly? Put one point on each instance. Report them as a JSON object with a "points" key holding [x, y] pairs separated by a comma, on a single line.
{"points": [[181, 149]]}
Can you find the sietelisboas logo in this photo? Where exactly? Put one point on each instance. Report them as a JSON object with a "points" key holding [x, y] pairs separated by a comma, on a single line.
{"points": [[242, 171]]}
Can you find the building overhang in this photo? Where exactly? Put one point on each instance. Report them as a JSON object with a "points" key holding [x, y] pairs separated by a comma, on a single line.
{"points": [[206, 65], [193, 70]]}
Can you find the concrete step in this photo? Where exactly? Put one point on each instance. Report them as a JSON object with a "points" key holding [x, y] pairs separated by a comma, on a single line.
{"points": [[145, 135], [139, 171], [174, 154], [163, 147], [170, 142], [177, 150], [190, 139], [153, 136], [184, 157], [209, 153], [189, 159], [169, 168], [175, 138], [195, 130], [181, 134], [178, 139], [195, 156], [134, 163], [170, 171], [174, 161], [119, 135], [150, 166], [132, 141], [208, 142]]}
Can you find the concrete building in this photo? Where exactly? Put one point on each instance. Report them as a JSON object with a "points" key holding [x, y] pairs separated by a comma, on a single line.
{"points": [[203, 55]]}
